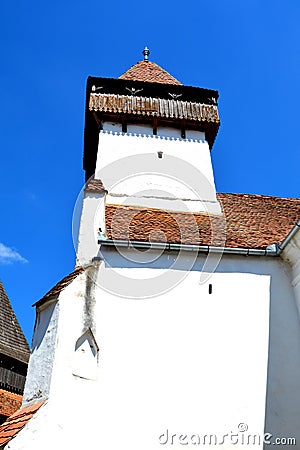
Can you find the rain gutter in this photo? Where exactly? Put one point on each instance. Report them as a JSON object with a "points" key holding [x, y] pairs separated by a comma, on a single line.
{"points": [[289, 237], [271, 250]]}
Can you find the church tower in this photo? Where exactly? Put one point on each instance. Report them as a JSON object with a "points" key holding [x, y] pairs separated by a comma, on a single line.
{"points": [[147, 144], [173, 327]]}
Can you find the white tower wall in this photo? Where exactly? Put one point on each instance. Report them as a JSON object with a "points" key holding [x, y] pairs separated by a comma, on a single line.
{"points": [[181, 364], [133, 173]]}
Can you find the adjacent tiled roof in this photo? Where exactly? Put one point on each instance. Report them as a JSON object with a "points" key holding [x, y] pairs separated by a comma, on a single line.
{"points": [[149, 71], [251, 221], [94, 185], [156, 107], [9, 402], [16, 422], [12, 340], [258, 221], [60, 286]]}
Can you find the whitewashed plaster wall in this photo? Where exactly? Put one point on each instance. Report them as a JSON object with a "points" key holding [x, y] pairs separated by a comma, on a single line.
{"points": [[291, 255], [193, 354], [91, 220], [148, 129], [42, 354], [144, 179], [185, 361], [68, 418]]}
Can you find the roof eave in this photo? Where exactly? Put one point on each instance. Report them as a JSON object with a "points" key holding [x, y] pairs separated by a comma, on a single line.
{"points": [[268, 251]]}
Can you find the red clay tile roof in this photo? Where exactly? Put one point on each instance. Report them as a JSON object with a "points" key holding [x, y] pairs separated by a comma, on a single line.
{"points": [[149, 71], [252, 221], [12, 340], [16, 422], [94, 185], [9, 402], [60, 286], [257, 221]]}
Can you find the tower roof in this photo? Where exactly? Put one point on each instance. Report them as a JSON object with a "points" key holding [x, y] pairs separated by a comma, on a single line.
{"points": [[12, 340], [149, 71], [146, 93]]}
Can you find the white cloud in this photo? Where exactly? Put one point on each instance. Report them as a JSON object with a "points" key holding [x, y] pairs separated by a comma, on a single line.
{"points": [[9, 255]]}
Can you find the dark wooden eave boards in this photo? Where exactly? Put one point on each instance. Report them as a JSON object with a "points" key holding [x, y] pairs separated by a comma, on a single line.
{"points": [[116, 86]]}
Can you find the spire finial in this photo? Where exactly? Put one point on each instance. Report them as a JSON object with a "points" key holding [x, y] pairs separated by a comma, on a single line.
{"points": [[146, 53]]}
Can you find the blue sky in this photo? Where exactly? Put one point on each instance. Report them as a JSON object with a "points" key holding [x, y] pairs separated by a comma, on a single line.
{"points": [[247, 50]]}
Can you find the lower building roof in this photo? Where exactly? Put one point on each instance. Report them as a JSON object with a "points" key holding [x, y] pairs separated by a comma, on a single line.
{"points": [[60, 286], [9, 402], [17, 421]]}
